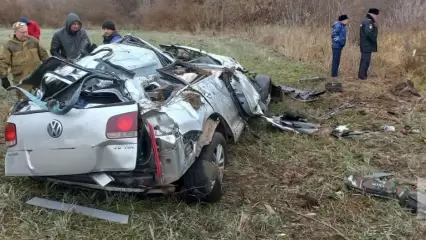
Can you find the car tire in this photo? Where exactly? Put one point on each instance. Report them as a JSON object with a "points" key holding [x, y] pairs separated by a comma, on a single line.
{"points": [[203, 180], [265, 84]]}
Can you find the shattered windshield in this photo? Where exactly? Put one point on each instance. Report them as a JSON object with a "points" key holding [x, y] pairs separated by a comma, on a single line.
{"points": [[120, 61]]}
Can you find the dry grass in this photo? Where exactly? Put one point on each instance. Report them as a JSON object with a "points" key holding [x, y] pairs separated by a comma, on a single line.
{"points": [[312, 46], [266, 176]]}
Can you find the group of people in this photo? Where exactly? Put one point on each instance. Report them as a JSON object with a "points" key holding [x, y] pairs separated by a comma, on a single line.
{"points": [[22, 53], [367, 41]]}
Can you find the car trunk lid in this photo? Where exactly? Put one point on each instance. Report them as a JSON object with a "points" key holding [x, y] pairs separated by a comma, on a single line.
{"points": [[102, 138]]}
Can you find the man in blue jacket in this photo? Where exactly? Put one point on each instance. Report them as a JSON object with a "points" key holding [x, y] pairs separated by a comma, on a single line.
{"points": [[110, 33], [338, 42]]}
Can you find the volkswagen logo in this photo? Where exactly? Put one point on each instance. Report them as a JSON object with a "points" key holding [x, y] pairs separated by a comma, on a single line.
{"points": [[54, 129]]}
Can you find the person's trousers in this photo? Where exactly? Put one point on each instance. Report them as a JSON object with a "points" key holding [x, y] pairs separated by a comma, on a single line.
{"points": [[364, 65], [335, 63]]}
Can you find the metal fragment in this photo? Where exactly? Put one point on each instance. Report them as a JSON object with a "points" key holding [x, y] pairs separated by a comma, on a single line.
{"points": [[109, 216]]}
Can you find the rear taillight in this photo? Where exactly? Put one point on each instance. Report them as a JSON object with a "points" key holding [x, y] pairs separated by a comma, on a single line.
{"points": [[122, 126], [10, 134]]}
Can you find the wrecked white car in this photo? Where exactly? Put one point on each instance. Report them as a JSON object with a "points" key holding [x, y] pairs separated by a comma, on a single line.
{"points": [[132, 117]]}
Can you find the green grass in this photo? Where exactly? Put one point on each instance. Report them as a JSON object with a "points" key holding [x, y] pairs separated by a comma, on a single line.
{"points": [[271, 170]]}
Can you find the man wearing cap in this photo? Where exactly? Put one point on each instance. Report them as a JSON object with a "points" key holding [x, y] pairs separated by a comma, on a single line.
{"points": [[368, 41], [69, 41], [22, 54], [338, 42], [33, 27], [110, 33]]}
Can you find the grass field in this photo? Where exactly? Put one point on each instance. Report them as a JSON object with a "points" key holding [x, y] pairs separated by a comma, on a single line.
{"points": [[273, 171]]}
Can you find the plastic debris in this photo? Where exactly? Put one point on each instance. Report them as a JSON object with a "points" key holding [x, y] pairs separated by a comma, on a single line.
{"points": [[301, 95], [343, 131], [292, 123], [387, 128]]}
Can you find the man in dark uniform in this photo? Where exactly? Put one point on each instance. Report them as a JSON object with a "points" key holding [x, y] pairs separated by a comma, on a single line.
{"points": [[368, 41]]}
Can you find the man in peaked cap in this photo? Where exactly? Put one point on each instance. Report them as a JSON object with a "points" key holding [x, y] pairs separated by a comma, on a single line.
{"points": [[368, 41]]}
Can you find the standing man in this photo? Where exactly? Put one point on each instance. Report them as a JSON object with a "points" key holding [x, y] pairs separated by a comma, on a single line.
{"points": [[338, 42], [33, 27], [70, 40], [22, 54], [110, 33], [368, 41]]}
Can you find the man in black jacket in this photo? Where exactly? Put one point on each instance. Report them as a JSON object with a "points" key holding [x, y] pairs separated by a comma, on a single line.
{"points": [[69, 41], [368, 41]]}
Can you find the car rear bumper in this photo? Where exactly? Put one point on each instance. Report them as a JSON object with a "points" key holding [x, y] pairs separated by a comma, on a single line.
{"points": [[86, 182], [80, 160]]}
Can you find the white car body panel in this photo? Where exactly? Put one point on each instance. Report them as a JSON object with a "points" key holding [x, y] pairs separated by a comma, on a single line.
{"points": [[82, 147]]}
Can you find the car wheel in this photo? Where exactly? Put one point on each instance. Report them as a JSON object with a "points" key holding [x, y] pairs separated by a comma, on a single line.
{"points": [[203, 180]]}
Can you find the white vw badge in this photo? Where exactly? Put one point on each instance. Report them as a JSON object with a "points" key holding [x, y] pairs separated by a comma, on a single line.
{"points": [[54, 129]]}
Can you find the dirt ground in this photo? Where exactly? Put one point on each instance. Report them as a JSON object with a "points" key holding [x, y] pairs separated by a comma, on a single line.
{"points": [[278, 186]]}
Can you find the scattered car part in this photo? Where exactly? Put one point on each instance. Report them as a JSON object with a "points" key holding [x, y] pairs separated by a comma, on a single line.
{"points": [[312, 79], [334, 87], [387, 128], [280, 126], [92, 212], [381, 185], [343, 131], [301, 95], [292, 123]]}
